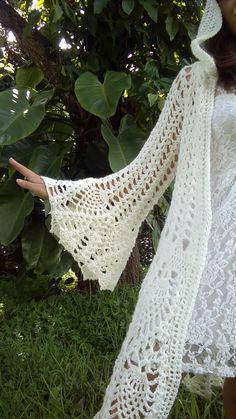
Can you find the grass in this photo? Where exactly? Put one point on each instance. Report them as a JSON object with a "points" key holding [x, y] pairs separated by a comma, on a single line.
{"points": [[57, 356]]}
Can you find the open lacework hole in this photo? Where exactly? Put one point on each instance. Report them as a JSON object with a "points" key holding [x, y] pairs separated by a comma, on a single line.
{"points": [[140, 382]]}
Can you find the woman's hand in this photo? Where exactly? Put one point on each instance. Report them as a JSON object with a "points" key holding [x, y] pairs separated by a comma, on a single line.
{"points": [[33, 183]]}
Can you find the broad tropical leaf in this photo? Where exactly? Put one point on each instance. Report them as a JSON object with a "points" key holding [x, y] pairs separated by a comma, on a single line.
{"points": [[15, 205], [40, 249], [46, 159], [101, 99], [21, 114], [28, 76], [124, 148]]}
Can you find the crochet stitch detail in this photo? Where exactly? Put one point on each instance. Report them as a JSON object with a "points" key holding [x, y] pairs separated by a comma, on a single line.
{"points": [[97, 220]]}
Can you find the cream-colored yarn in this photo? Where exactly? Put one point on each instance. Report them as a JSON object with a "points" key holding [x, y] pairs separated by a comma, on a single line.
{"points": [[97, 221]]}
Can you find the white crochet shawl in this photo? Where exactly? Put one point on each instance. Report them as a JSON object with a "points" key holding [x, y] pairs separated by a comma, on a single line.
{"points": [[97, 221]]}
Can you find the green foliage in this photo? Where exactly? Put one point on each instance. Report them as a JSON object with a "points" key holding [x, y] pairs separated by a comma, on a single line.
{"points": [[28, 76], [84, 110], [151, 8], [128, 6], [121, 150], [172, 26], [21, 112], [39, 248], [33, 19], [15, 205], [99, 5], [101, 99]]}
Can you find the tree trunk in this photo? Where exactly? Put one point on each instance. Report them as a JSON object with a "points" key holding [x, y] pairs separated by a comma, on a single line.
{"points": [[131, 272]]}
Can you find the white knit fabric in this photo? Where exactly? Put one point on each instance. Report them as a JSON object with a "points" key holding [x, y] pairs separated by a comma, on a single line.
{"points": [[211, 338], [97, 221]]}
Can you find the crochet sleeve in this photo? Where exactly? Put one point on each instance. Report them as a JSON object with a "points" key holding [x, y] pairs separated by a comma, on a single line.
{"points": [[97, 220]]}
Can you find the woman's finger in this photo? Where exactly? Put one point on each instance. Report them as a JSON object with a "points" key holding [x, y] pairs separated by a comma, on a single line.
{"points": [[37, 188], [29, 174]]}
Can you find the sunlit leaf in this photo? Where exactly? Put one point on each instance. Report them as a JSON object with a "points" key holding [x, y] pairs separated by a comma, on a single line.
{"points": [[20, 115]]}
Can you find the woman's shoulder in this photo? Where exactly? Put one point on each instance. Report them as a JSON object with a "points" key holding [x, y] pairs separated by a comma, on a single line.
{"points": [[189, 70], [192, 75], [185, 76]]}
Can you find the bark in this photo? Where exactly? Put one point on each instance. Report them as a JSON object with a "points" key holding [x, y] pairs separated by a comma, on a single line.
{"points": [[36, 46], [131, 272]]}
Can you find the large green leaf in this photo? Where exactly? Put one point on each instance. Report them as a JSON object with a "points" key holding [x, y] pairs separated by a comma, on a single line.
{"points": [[15, 205], [41, 98], [101, 99], [40, 249], [20, 114], [59, 129], [21, 151], [28, 76], [63, 265], [124, 148], [46, 159]]}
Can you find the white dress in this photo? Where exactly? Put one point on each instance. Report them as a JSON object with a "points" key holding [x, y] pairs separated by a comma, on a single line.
{"points": [[211, 339]]}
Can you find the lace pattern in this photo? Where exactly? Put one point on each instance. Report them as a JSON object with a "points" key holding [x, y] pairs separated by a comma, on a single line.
{"points": [[211, 337], [92, 216], [95, 219]]}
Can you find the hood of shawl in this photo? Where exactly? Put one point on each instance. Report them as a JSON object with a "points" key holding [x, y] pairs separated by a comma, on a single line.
{"points": [[210, 25]]}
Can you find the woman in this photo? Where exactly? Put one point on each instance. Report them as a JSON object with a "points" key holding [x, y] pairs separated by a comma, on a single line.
{"points": [[185, 317]]}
